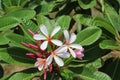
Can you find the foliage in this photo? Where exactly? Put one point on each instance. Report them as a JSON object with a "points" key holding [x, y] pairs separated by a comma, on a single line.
{"points": [[94, 22]]}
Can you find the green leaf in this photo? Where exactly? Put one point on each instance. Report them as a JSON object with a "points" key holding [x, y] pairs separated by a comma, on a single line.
{"points": [[83, 19], [109, 44], [86, 4], [105, 24], [16, 56], [90, 74], [22, 14], [45, 21], [112, 16], [27, 74], [17, 39], [3, 39], [64, 22], [88, 36], [46, 7], [8, 22]]}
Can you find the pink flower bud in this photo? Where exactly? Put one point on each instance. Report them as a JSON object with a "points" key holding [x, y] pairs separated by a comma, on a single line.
{"points": [[51, 67], [79, 53], [45, 75], [33, 46], [24, 44], [30, 32], [31, 55], [39, 55]]}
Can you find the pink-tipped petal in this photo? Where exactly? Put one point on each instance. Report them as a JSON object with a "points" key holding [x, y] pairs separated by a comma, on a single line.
{"points": [[49, 60], [59, 61], [44, 30], [72, 38], [44, 45], [39, 37], [66, 34], [76, 46], [56, 29], [72, 53], [57, 42]]}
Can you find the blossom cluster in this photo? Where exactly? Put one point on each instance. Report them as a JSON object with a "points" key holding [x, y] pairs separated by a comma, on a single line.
{"points": [[51, 50]]}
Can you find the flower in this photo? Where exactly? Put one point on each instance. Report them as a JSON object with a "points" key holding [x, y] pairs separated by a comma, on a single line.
{"points": [[47, 37], [68, 43], [79, 53], [41, 64], [59, 52]]}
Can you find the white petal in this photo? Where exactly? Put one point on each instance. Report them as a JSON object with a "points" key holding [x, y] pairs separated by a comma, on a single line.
{"points": [[44, 30], [55, 31], [66, 34], [37, 63], [72, 53], [44, 45], [76, 46], [72, 38], [40, 67], [49, 60], [39, 37], [61, 49], [59, 61], [56, 42], [64, 55]]}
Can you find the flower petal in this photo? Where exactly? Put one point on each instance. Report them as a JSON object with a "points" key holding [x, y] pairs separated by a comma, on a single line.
{"points": [[44, 30], [66, 34], [40, 67], [64, 55], [39, 37], [56, 42], [59, 61], [76, 46], [55, 31], [72, 38], [72, 53], [44, 45], [49, 60], [61, 49]]}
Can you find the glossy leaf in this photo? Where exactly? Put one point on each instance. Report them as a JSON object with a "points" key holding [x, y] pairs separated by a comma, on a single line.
{"points": [[22, 14], [83, 19], [64, 22], [3, 39], [86, 4], [9, 55], [8, 22], [112, 16], [88, 35], [109, 44]]}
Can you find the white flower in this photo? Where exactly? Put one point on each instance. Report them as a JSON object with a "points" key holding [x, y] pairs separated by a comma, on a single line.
{"points": [[60, 52], [47, 37], [69, 40], [41, 64]]}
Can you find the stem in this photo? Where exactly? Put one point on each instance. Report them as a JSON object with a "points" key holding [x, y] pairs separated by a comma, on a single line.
{"points": [[74, 27]]}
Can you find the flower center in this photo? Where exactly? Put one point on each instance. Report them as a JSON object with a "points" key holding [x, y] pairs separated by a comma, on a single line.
{"points": [[43, 61], [53, 53], [49, 39]]}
